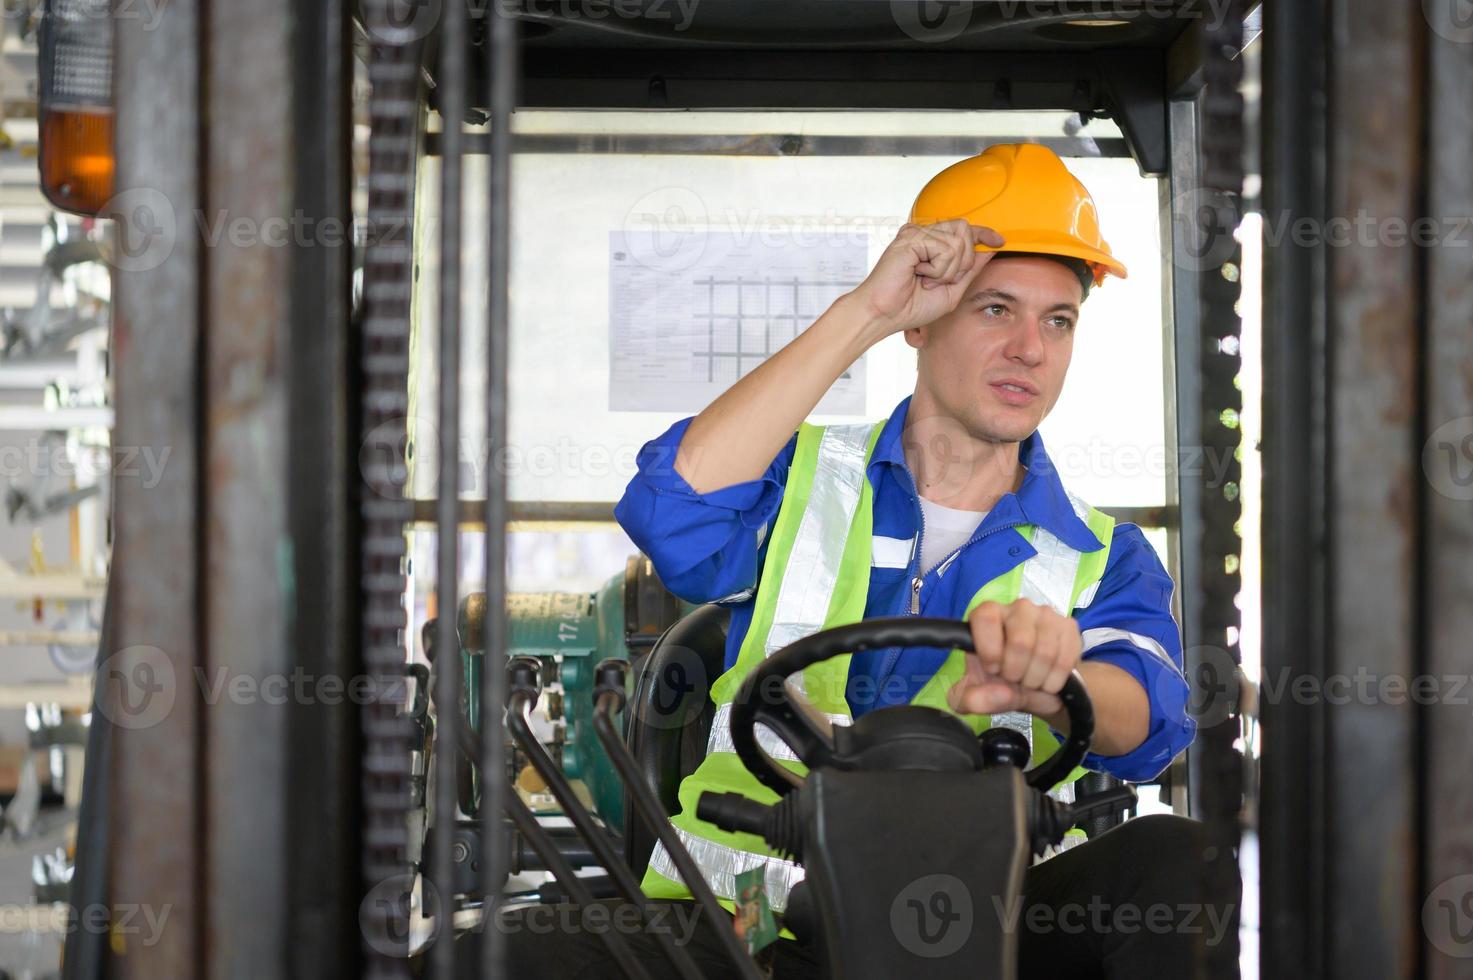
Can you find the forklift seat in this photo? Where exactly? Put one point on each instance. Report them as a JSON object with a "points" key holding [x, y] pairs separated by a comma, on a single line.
{"points": [[669, 715]]}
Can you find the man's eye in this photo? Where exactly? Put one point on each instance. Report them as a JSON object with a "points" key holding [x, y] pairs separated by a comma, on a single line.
{"points": [[1061, 322], [994, 309]]}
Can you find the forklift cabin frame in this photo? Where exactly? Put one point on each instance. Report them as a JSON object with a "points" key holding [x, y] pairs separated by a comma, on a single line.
{"points": [[255, 559]]}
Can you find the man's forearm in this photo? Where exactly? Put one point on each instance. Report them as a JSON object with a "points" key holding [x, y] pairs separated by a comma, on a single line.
{"points": [[1122, 709], [739, 434]]}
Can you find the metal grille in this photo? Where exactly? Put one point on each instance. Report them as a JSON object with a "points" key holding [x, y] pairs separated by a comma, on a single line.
{"points": [[1221, 434], [388, 279]]}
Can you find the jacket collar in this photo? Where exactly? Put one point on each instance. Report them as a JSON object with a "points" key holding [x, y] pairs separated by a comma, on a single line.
{"points": [[1041, 500]]}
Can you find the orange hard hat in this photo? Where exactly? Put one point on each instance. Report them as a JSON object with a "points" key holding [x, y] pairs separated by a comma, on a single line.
{"points": [[1024, 192]]}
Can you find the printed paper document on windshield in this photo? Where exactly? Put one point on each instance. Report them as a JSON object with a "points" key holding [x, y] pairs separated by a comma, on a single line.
{"points": [[691, 312]]}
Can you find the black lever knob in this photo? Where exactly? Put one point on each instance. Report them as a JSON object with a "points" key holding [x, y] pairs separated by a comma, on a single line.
{"points": [[608, 678], [1004, 747], [524, 674]]}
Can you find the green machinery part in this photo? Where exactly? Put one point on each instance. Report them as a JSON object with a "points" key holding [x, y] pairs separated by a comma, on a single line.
{"points": [[576, 630]]}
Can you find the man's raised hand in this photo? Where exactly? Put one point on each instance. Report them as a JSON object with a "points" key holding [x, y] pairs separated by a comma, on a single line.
{"points": [[924, 272]]}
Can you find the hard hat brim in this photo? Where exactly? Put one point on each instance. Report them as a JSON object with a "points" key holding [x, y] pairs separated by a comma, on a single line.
{"points": [[1044, 243]]}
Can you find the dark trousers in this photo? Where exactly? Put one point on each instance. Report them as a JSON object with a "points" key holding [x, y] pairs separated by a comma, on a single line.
{"points": [[1128, 904]]}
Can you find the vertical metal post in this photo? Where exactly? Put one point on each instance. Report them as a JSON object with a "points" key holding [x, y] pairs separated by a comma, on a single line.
{"points": [[1447, 458], [1182, 349], [247, 324], [1375, 148], [208, 559], [1183, 316], [323, 791], [1344, 533], [504, 74], [155, 848], [452, 92], [1292, 812]]}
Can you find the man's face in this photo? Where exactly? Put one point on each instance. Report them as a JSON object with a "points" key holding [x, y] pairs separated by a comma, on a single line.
{"points": [[997, 362]]}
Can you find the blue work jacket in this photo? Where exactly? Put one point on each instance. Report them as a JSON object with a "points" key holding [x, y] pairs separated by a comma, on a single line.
{"points": [[710, 548]]}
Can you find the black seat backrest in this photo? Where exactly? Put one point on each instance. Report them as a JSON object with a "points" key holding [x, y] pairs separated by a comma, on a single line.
{"points": [[669, 715]]}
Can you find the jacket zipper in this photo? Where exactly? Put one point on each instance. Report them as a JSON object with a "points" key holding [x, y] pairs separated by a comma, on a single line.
{"points": [[915, 552], [893, 656], [919, 577], [915, 585]]}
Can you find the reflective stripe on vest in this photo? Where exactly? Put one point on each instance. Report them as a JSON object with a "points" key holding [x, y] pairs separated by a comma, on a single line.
{"points": [[1048, 580], [720, 738], [721, 863], [816, 576]]}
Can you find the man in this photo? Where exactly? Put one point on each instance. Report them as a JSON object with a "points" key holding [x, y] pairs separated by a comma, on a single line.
{"points": [[953, 510]]}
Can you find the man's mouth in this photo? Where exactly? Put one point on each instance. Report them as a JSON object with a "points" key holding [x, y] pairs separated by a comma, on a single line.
{"points": [[1015, 391]]}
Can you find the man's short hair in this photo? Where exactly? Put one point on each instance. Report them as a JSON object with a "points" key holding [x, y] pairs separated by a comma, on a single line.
{"points": [[1079, 267]]}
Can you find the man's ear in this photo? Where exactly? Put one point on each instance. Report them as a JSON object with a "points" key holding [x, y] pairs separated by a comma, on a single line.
{"points": [[917, 336]]}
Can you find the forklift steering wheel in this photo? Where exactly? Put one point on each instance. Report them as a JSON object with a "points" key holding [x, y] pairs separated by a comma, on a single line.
{"points": [[892, 738]]}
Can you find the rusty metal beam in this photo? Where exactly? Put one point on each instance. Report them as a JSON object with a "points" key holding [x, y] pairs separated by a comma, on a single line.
{"points": [[1447, 459], [1344, 526], [155, 847], [207, 560], [247, 319], [1373, 294]]}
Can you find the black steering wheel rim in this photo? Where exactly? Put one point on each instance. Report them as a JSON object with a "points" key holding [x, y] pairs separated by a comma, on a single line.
{"points": [[766, 696]]}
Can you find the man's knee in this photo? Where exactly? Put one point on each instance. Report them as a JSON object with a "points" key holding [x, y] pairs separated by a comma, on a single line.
{"points": [[1157, 857], [1165, 837], [1162, 857]]}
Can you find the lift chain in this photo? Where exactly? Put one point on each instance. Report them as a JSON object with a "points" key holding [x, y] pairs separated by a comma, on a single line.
{"points": [[1223, 142], [388, 277]]}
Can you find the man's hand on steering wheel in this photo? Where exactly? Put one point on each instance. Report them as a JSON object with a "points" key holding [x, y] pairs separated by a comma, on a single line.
{"points": [[1024, 653]]}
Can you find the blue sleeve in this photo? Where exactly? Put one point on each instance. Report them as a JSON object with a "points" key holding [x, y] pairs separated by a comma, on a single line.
{"points": [[1128, 623], [704, 546]]}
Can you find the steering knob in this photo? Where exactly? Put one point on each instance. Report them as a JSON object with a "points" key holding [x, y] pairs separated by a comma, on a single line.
{"points": [[1004, 747]]}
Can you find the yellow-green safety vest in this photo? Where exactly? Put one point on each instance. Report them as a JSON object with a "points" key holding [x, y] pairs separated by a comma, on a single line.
{"points": [[816, 576]]}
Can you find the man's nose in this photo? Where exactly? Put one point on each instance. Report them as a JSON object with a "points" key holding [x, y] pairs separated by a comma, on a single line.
{"points": [[1025, 344]]}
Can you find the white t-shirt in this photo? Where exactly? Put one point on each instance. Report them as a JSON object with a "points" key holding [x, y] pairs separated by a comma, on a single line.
{"points": [[945, 530]]}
